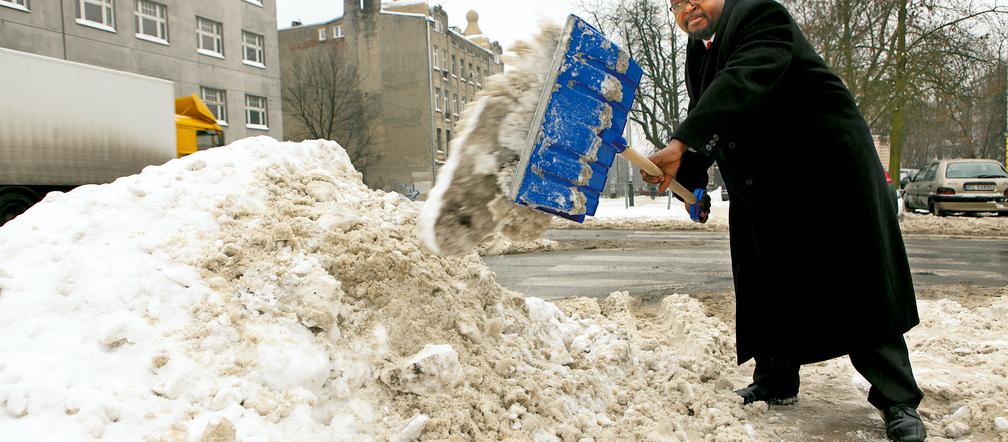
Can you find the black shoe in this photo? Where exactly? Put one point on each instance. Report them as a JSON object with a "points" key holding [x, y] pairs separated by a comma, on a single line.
{"points": [[903, 424], [755, 393]]}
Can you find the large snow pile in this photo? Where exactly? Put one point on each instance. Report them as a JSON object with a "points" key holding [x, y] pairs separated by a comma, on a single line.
{"points": [[261, 292]]}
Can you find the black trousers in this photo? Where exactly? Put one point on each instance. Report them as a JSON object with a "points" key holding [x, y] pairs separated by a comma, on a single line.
{"points": [[886, 367]]}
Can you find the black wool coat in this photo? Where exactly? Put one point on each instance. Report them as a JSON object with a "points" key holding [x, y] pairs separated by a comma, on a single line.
{"points": [[818, 259]]}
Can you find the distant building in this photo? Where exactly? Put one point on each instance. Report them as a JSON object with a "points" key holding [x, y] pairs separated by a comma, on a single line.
{"points": [[224, 51], [416, 70]]}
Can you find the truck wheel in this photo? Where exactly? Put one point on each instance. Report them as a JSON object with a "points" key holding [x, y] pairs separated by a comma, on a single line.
{"points": [[14, 203]]}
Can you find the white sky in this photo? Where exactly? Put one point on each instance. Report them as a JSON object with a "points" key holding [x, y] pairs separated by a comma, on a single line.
{"points": [[502, 20]]}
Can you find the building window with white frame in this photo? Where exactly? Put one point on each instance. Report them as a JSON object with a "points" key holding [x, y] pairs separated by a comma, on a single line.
{"points": [[455, 103], [253, 49], [321, 34], [152, 21], [337, 31], [436, 63], [209, 37], [216, 101], [97, 13], [255, 112], [20, 5], [437, 99]]}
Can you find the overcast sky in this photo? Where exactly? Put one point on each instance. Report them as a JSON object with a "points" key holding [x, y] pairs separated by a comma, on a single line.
{"points": [[503, 20]]}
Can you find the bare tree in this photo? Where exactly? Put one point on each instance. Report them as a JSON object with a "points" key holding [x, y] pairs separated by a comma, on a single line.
{"points": [[646, 30], [907, 59], [321, 95]]}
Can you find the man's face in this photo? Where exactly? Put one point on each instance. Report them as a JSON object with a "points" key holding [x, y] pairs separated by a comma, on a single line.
{"points": [[699, 18]]}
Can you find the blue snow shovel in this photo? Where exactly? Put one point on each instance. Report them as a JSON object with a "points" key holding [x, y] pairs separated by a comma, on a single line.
{"points": [[578, 126]]}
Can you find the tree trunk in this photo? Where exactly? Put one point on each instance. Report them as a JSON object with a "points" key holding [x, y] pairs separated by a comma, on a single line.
{"points": [[900, 80]]}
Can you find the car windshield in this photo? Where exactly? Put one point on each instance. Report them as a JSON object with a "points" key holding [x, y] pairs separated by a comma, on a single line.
{"points": [[975, 170]]}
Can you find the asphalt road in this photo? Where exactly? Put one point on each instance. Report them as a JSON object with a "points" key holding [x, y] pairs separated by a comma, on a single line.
{"points": [[653, 263]]}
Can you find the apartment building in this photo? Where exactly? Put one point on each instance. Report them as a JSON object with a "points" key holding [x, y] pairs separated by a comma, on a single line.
{"points": [[224, 51], [416, 70]]}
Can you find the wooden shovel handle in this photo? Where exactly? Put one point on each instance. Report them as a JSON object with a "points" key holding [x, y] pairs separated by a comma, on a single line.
{"points": [[642, 162]]}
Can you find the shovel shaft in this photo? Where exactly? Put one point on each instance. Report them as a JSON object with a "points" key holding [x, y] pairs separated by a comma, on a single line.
{"points": [[642, 162]]}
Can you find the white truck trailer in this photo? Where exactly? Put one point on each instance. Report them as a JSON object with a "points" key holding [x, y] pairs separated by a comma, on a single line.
{"points": [[64, 124]]}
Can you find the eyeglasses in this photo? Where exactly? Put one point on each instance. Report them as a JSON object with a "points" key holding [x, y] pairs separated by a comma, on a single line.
{"points": [[678, 6]]}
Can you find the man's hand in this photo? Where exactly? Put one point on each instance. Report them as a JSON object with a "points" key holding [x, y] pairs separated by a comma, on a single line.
{"points": [[668, 160]]}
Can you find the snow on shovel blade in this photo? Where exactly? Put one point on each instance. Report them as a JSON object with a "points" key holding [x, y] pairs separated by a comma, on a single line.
{"points": [[577, 128]]}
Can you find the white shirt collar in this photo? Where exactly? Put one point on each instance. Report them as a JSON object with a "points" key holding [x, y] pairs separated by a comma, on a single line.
{"points": [[707, 43]]}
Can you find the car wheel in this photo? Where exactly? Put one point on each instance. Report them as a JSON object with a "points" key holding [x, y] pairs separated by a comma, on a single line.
{"points": [[935, 210], [14, 203]]}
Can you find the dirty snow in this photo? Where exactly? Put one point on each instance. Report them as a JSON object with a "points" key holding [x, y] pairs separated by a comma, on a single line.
{"points": [[261, 292]]}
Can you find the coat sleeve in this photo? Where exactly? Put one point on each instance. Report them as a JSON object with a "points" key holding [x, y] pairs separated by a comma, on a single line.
{"points": [[760, 53]]}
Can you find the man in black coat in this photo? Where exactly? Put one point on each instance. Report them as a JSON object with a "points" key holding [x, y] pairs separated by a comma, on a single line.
{"points": [[766, 107]]}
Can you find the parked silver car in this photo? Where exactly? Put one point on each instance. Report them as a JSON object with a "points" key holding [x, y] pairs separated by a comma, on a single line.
{"points": [[963, 185]]}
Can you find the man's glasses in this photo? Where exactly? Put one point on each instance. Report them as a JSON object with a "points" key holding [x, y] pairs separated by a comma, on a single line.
{"points": [[679, 6]]}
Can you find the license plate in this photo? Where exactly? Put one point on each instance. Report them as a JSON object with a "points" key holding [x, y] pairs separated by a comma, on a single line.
{"points": [[979, 187]]}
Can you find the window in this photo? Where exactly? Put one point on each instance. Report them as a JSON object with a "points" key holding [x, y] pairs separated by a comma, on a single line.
{"points": [[929, 173], [436, 64], [96, 13], [337, 31], [439, 139], [437, 99], [479, 75], [455, 102], [21, 5], [971, 170], [255, 112], [152, 21], [447, 137], [321, 34], [209, 37], [216, 100], [438, 27], [453, 65], [446, 108], [252, 49]]}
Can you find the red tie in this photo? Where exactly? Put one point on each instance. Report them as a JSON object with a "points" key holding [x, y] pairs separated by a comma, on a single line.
{"points": [[707, 43]]}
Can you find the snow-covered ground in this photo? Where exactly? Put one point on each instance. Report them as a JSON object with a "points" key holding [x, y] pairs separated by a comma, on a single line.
{"points": [[660, 214], [261, 292]]}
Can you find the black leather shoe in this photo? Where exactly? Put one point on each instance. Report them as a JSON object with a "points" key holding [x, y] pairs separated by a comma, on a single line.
{"points": [[755, 393], [903, 424]]}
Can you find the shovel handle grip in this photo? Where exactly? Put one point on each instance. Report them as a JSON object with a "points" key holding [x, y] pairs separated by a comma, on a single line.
{"points": [[642, 162]]}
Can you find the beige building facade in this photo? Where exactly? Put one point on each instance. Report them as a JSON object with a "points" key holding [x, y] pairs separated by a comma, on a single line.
{"points": [[417, 74], [224, 51]]}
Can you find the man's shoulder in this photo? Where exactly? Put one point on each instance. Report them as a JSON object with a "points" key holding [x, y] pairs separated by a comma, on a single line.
{"points": [[750, 5], [748, 9]]}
